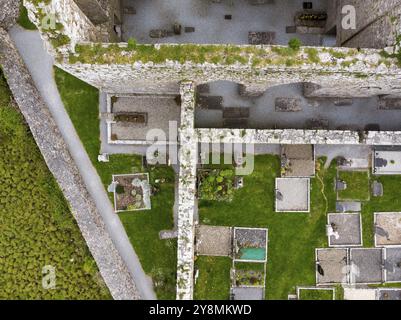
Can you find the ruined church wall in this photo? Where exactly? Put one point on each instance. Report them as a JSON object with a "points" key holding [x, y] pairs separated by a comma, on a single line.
{"points": [[376, 23], [165, 77]]}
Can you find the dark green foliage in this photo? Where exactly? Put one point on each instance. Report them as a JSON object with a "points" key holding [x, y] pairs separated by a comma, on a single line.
{"points": [[120, 189], [295, 44], [23, 19], [37, 228]]}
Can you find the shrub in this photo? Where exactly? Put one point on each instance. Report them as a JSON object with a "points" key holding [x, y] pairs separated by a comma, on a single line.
{"points": [[295, 44], [120, 189]]}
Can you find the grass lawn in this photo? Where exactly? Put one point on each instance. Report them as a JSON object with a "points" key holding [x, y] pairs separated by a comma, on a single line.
{"points": [[23, 19], [293, 237], [315, 294], [158, 257], [213, 282], [390, 202], [358, 186]]}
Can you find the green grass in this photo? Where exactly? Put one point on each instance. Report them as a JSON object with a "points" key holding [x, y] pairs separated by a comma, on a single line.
{"points": [[390, 202], [317, 294], [293, 237], [158, 257], [37, 227], [213, 282], [358, 186], [23, 19]]}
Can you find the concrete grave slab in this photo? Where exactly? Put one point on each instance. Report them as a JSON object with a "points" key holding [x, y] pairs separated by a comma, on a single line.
{"points": [[292, 195], [366, 265], [333, 263], [344, 229], [241, 293], [387, 229], [392, 264], [389, 294]]}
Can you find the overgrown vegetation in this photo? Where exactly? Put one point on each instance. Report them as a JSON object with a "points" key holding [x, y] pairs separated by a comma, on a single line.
{"points": [[158, 257], [23, 19], [37, 228], [256, 56], [216, 184]]}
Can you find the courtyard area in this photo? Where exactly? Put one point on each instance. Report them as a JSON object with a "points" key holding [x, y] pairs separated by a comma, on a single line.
{"points": [[131, 118], [223, 104], [220, 21]]}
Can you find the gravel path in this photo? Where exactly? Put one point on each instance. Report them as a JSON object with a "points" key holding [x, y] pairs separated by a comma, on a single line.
{"points": [[40, 65]]}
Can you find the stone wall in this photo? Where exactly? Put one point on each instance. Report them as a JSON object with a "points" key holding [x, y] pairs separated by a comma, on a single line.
{"points": [[72, 20], [9, 11], [365, 78], [284, 136], [93, 10], [62, 166], [188, 157], [378, 22]]}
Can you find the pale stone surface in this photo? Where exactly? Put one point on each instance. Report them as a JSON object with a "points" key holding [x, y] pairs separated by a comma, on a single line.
{"points": [[188, 157], [9, 11], [359, 294]]}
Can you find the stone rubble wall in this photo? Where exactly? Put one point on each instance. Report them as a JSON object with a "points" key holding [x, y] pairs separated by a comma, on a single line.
{"points": [[359, 81], [9, 12], [76, 24], [385, 138], [286, 136], [188, 157], [60, 163], [374, 26]]}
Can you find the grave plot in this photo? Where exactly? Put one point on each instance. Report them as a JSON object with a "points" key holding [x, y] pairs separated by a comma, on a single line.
{"points": [[213, 241], [392, 265], [216, 184], [131, 192], [387, 229], [355, 184], [331, 266], [248, 293], [344, 229], [314, 293], [248, 274], [366, 266], [292, 195], [250, 244]]}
